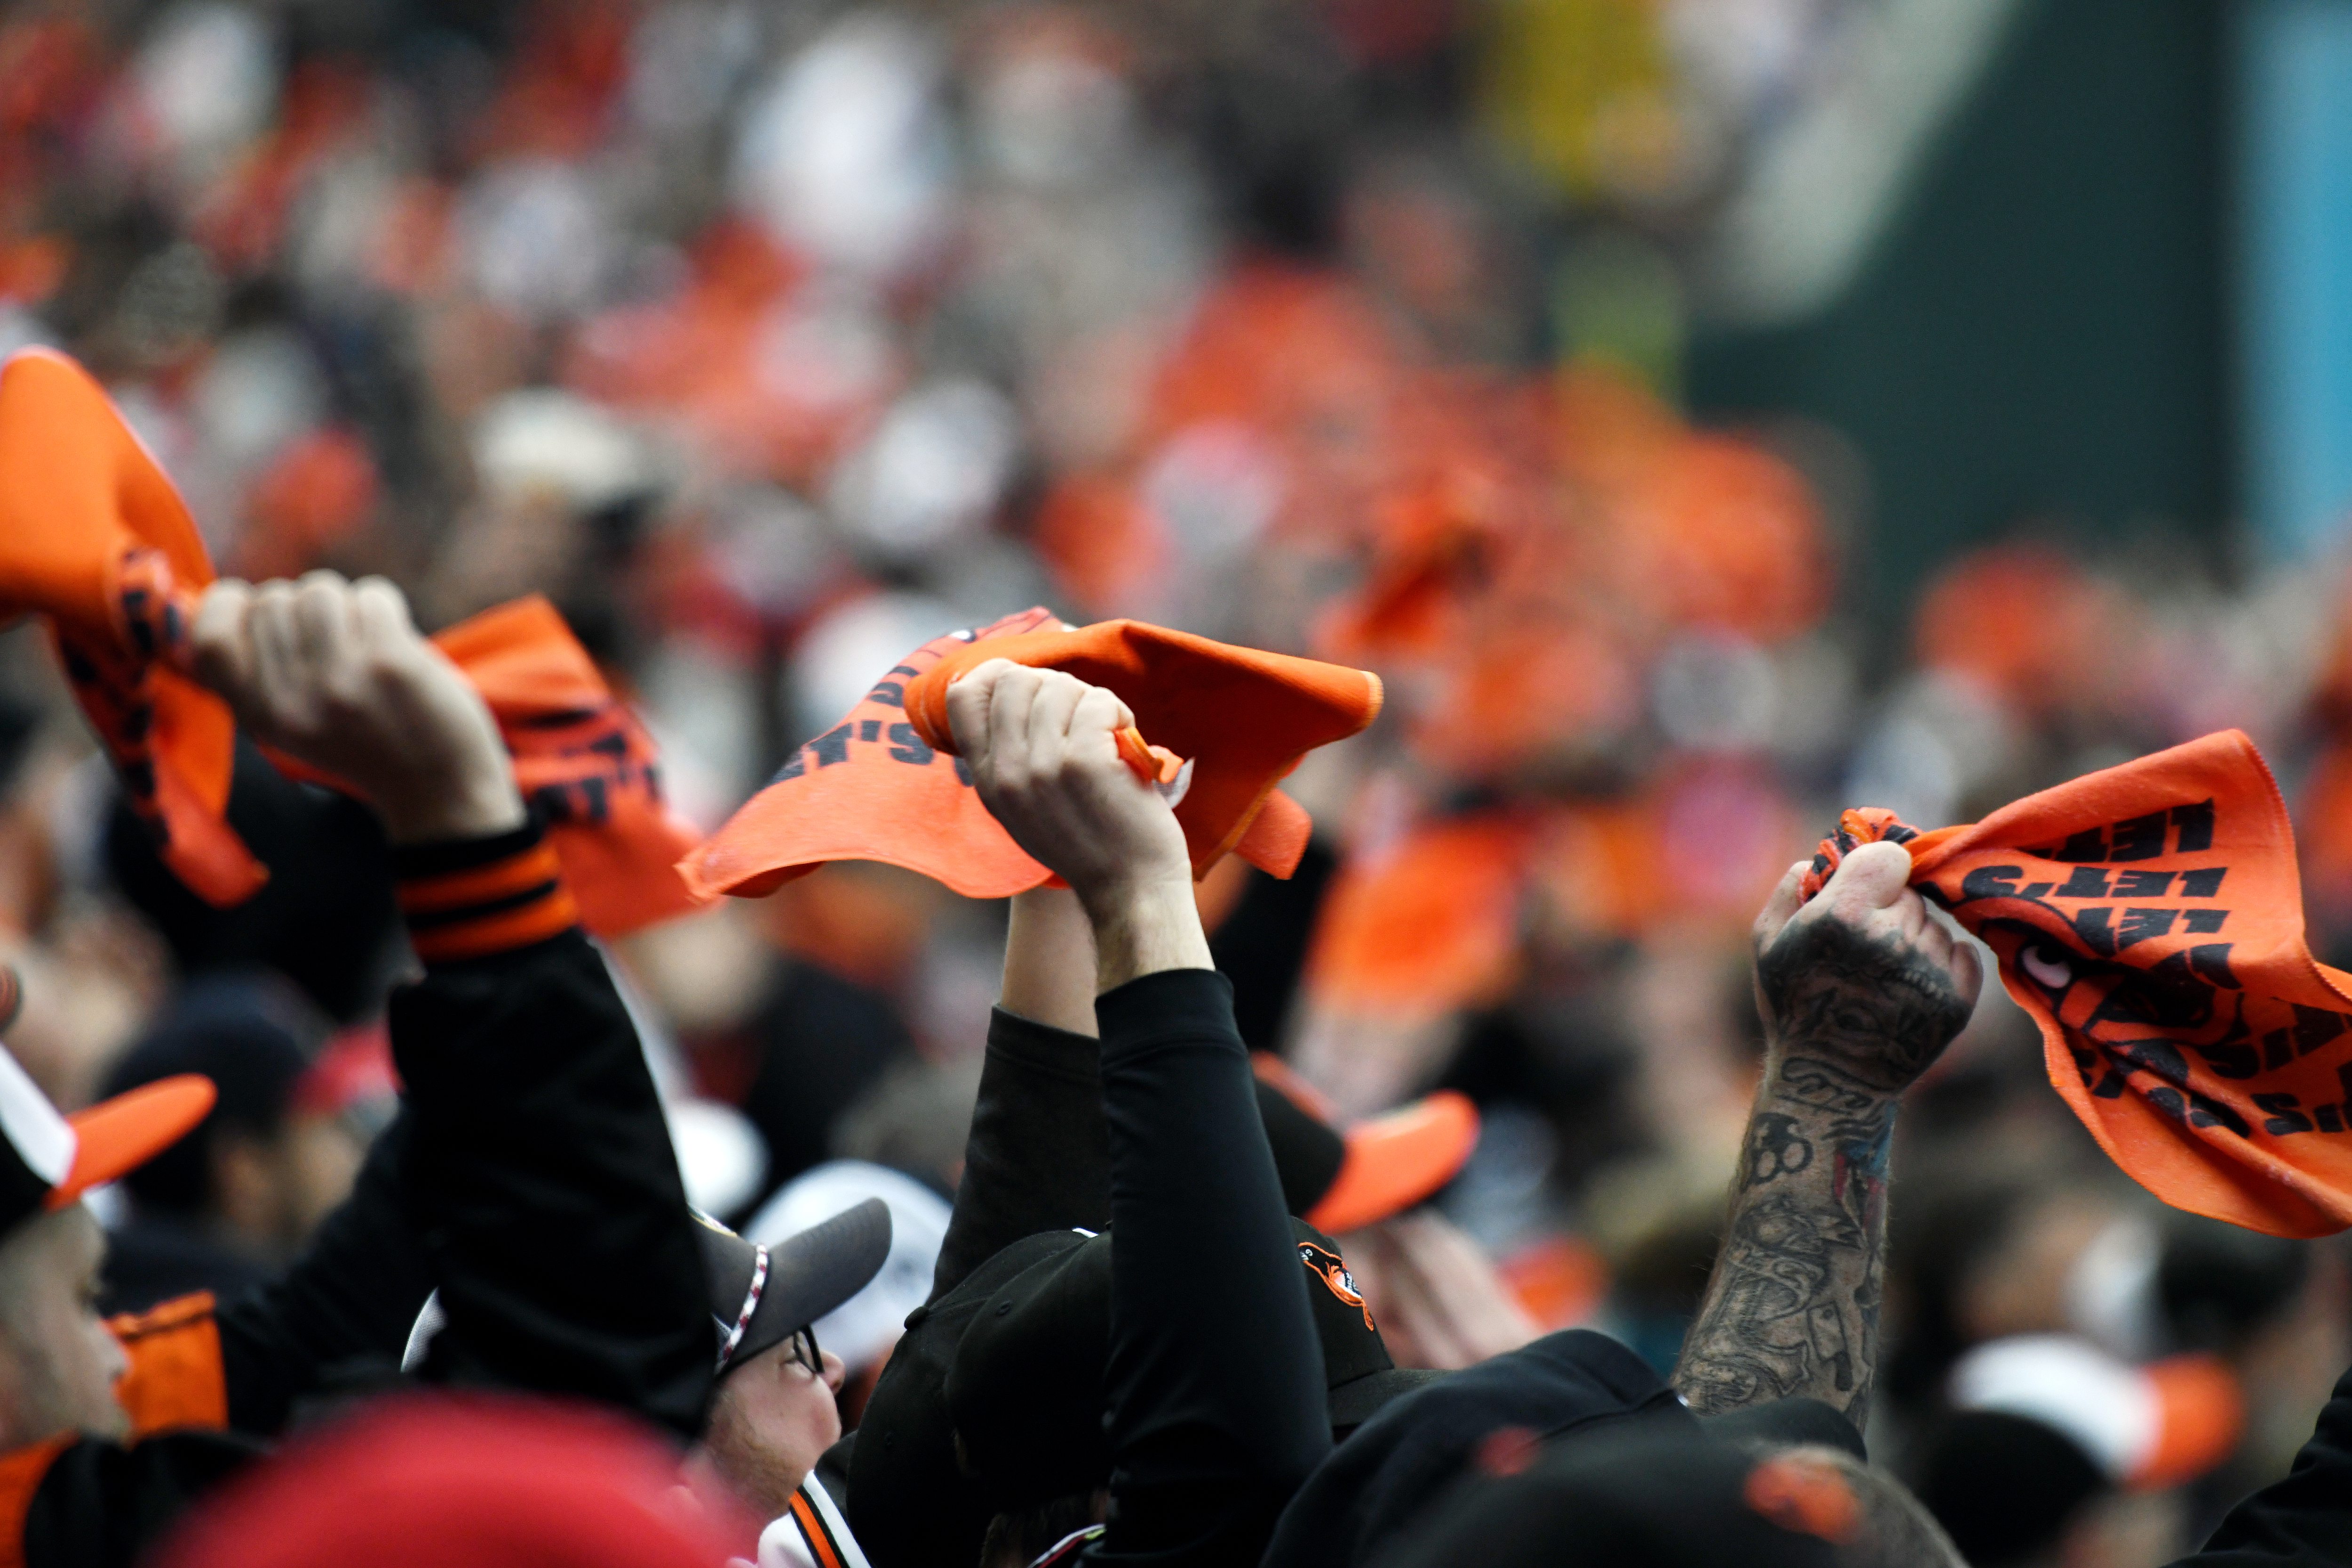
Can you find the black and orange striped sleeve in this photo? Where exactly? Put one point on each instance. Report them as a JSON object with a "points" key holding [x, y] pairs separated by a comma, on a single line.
{"points": [[482, 896]]}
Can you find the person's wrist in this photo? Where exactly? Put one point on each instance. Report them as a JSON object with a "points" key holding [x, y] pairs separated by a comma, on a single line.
{"points": [[475, 802], [1144, 926], [1801, 1071], [1113, 898]]}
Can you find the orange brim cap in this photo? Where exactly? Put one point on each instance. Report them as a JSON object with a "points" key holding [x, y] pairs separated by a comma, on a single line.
{"points": [[1395, 1160], [2199, 1415], [119, 1135]]}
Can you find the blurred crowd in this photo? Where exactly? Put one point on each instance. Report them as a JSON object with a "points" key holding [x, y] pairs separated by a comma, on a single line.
{"points": [[772, 341]]}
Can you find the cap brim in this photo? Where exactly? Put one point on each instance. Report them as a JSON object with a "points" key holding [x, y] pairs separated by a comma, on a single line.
{"points": [[2199, 1413], [826, 1264], [1395, 1160], [119, 1135], [1357, 1400]]}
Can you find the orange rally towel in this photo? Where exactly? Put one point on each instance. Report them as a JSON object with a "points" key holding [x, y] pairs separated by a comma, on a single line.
{"points": [[873, 788], [2151, 919], [1226, 723], [93, 537], [581, 757]]}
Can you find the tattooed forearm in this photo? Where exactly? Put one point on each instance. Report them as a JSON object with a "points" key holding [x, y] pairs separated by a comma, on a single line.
{"points": [[1793, 1304], [1825, 1086], [1859, 998]]}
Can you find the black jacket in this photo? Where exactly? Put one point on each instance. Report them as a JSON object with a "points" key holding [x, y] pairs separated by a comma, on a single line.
{"points": [[529, 1176], [1216, 1407], [1215, 1402]]}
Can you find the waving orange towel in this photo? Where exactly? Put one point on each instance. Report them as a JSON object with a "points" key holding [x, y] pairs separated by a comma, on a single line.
{"points": [[1237, 718], [580, 758], [2150, 918], [583, 758], [875, 787], [94, 538]]}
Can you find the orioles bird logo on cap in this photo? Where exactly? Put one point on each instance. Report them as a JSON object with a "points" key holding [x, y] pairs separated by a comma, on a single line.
{"points": [[1326, 1266]]}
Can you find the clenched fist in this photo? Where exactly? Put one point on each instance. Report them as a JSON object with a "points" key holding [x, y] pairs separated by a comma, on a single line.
{"points": [[334, 673], [1864, 977], [1044, 754]]}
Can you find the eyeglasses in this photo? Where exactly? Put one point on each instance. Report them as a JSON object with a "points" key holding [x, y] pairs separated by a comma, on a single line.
{"points": [[802, 1348]]}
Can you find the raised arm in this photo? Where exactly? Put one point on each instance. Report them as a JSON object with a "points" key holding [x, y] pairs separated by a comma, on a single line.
{"points": [[1037, 1157], [1214, 1393], [1860, 991], [537, 1172]]}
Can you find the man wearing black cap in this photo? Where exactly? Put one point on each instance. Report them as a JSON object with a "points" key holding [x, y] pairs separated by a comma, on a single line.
{"points": [[530, 1174], [1037, 1162], [1212, 1401], [1024, 1393]]}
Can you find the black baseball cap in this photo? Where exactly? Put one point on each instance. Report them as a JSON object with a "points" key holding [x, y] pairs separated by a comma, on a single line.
{"points": [[761, 1296], [910, 1503], [1025, 1391], [1655, 1502]]}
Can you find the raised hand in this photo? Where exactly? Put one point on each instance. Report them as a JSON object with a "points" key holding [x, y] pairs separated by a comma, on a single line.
{"points": [[1865, 978], [334, 673], [1043, 753], [1860, 990]]}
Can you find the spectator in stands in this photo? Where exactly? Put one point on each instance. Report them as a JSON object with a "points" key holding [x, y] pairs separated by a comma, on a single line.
{"points": [[231, 1204]]}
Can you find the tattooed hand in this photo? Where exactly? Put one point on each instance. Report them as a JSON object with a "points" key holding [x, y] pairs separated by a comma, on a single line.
{"points": [[1864, 980], [1860, 990]]}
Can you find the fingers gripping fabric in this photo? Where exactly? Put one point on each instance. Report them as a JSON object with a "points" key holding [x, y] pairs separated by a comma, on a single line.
{"points": [[94, 538], [1856, 826], [2151, 919], [885, 785], [1240, 717]]}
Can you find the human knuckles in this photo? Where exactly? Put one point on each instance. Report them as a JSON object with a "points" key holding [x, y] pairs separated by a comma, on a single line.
{"points": [[1859, 991]]}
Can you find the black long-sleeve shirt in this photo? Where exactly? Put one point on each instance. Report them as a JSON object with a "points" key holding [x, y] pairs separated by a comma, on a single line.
{"points": [[1215, 1402], [1217, 1408], [1038, 1156], [530, 1177]]}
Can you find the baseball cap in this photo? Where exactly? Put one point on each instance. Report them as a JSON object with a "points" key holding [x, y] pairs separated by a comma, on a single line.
{"points": [[1658, 1501], [1025, 1391], [2040, 1425], [2145, 1427], [862, 1330], [761, 1296], [48, 1160], [1343, 1180]]}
